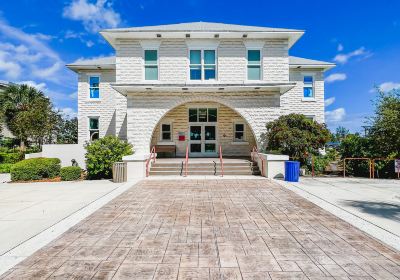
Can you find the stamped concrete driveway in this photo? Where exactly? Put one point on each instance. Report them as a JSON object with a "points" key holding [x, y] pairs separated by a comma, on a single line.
{"points": [[211, 229]]}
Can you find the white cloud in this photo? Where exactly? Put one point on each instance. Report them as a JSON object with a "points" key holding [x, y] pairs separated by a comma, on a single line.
{"points": [[94, 16], [10, 69], [69, 34], [73, 95], [336, 77], [340, 48], [335, 116], [387, 86], [345, 57], [329, 101], [39, 86], [68, 112]]}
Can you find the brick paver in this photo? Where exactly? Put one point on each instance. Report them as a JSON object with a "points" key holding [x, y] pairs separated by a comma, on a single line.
{"points": [[211, 229]]}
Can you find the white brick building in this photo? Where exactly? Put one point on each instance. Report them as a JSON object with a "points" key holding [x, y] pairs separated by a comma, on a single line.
{"points": [[198, 85]]}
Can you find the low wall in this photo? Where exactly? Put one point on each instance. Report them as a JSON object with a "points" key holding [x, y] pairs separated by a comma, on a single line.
{"points": [[65, 152]]}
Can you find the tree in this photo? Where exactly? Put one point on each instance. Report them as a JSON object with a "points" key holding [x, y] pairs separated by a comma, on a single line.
{"points": [[340, 134], [67, 131], [296, 136], [27, 113], [385, 124]]}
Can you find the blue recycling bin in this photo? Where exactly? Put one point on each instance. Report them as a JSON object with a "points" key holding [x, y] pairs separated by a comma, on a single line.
{"points": [[292, 171]]}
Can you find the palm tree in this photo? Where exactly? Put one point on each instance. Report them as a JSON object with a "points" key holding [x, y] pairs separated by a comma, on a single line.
{"points": [[17, 99]]}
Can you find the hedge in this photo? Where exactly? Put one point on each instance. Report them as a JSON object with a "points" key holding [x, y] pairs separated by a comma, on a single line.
{"points": [[13, 157], [70, 173], [5, 167], [35, 169]]}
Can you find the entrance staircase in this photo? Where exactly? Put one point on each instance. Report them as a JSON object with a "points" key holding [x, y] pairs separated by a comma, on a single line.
{"points": [[205, 167]]}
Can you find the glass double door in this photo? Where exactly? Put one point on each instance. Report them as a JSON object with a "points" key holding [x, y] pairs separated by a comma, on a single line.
{"points": [[203, 140]]}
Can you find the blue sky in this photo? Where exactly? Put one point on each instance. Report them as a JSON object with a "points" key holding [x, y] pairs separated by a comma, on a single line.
{"points": [[37, 38]]}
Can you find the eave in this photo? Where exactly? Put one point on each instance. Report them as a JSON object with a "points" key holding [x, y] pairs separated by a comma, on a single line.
{"points": [[267, 88]]}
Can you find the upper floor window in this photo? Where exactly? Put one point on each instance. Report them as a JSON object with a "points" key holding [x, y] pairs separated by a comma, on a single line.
{"points": [[94, 87], [94, 131], [308, 87], [202, 65], [253, 64], [150, 65]]}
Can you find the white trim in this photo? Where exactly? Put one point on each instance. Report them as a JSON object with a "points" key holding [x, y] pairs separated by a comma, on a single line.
{"points": [[144, 65], [261, 64], [240, 143], [150, 44], [234, 132], [308, 99], [93, 75], [171, 132], [202, 65], [202, 44], [254, 44]]}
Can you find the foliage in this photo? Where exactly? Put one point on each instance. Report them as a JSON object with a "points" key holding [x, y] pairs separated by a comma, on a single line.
{"points": [[5, 167], [11, 157], [322, 161], [9, 143], [67, 132], [296, 136], [35, 169], [102, 153], [385, 124], [70, 173], [340, 134], [27, 113]]}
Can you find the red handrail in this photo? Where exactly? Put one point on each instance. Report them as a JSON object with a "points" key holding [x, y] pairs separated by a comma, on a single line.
{"points": [[221, 161], [186, 159], [152, 156], [254, 153]]}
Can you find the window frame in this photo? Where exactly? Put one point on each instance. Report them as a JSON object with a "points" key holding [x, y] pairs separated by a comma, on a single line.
{"points": [[236, 140], [247, 63], [161, 131], [306, 85], [90, 130], [157, 64], [202, 65], [93, 75]]}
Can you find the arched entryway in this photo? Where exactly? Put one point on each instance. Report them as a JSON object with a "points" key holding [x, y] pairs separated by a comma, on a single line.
{"points": [[203, 126]]}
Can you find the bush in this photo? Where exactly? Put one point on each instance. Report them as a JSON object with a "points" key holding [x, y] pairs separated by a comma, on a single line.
{"points": [[35, 169], [5, 167], [11, 157], [70, 173], [102, 153]]}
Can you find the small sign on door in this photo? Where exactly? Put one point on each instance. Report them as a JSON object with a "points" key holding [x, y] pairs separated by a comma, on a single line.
{"points": [[181, 136]]}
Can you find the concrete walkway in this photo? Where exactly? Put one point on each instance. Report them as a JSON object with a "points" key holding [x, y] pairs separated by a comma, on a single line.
{"points": [[211, 229]]}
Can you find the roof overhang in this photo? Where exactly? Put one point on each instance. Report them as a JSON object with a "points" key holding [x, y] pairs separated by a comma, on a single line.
{"points": [[324, 67], [268, 88], [112, 36], [76, 67]]}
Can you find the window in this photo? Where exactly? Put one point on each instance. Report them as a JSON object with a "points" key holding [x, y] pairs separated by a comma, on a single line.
{"points": [[203, 114], [166, 132], [94, 87], [308, 89], [202, 65], [239, 132], [150, 65], [253, 64], [94, 128], [310, 117]]}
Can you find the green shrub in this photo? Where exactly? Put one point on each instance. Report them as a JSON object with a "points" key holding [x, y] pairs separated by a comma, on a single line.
{"points": [[102, 153], [70, 173], [35, 169], [5, 167], [11, 157]]}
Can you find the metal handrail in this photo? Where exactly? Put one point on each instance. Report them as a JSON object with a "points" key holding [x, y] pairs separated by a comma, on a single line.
{"points": [[254, 152], [186, 159], [221, 161], [152, 156]]}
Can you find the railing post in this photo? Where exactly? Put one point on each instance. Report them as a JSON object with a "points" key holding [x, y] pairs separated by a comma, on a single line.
{"points": [[344, 168]]}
